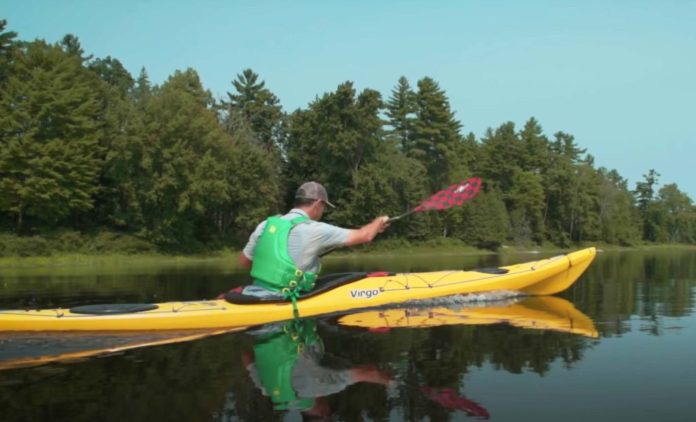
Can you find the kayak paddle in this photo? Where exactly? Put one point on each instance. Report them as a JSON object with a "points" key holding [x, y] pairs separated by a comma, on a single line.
{"points": [[453, 195], [447, 198]]}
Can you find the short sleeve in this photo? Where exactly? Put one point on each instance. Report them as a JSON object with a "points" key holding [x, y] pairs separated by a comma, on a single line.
{"points": [[248, 250], [329, 236]]}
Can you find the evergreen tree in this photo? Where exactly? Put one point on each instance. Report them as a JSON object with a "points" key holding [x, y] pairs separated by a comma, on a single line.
{"points": [[645, 196], [584, 223], [618, 217], [142, 89], [435, 136], [487, 222], [401, 109], [7, 43], [50, 134], [111, 71], [71, 45], [526, 212], [570, 186], [254, 107], [535, 147], [565, 146], [500, 157]]}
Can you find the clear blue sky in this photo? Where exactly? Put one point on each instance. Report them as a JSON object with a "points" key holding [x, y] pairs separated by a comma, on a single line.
{"points": [[619, 75]]}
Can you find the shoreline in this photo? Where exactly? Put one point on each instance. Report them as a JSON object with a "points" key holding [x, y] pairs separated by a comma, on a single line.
{"points": [[228, 257]]}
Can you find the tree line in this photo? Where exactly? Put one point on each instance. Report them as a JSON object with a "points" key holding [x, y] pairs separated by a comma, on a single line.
{"points": [[85, 145]]}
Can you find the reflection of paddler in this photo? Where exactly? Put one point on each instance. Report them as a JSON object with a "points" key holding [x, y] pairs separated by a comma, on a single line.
{"points": [[286, 367], [537, 312]]}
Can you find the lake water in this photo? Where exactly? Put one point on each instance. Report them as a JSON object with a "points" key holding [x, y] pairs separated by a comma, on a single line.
{"points": [[618, 345]]}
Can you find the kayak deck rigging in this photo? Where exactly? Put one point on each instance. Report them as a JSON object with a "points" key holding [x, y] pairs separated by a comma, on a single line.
{"points": [[332, 281]]}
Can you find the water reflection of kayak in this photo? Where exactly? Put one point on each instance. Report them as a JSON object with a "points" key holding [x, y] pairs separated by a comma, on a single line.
{"points": [[538, 313], [336, 293], [20, 350]]}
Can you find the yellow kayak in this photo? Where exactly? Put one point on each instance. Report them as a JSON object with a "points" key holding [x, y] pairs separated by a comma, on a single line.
{"points": [[333, 293], [537, 313]]}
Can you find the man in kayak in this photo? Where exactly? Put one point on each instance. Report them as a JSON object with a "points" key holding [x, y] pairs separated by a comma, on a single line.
{"points": [[283, 252]]}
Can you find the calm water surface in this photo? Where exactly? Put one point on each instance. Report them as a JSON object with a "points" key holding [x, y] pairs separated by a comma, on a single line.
{"points": [[640, 365]]}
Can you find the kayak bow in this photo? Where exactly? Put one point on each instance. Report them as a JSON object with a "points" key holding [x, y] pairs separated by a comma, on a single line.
{"points": [[547, 313], [337, 293]]}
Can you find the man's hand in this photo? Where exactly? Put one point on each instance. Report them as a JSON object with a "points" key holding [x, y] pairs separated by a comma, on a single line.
{"points": [[382, 222], [368, 232]]}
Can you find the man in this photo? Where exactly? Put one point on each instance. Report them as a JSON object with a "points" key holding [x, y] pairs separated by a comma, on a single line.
{"points": [[283, 252]]}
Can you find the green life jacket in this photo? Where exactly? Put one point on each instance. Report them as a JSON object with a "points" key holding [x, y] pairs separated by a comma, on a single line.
{"points": [[276, 356], [272, 266]]}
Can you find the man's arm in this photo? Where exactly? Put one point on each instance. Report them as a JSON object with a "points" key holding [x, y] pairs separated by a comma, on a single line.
{"points": [[244, 262], [247, 254], [366, 233]]}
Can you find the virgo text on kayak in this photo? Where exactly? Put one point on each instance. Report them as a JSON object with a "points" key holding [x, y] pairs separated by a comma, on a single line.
{"points": [[363, 293]]}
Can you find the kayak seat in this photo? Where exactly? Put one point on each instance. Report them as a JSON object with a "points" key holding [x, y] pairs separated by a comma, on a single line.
{"points": [[113, 309], [492, 270], [323, 284]]}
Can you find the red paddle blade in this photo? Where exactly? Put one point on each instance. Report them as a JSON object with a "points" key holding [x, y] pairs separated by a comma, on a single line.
{"points": [[454, 195], [449, 399]]}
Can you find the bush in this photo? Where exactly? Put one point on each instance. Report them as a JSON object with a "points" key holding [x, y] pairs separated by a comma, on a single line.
{"points": [[68, 241], [24, 246], [110, 242], [73, 242]]}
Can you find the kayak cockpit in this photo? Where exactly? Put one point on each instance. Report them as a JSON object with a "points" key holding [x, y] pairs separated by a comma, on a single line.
{"points": [[323, 284]]}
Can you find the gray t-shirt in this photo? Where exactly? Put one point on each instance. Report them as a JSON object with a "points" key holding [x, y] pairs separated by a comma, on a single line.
{"points": [[306, 242]]}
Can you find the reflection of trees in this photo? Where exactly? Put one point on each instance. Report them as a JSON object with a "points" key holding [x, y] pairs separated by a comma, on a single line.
{"points": [[178, 382], [441, 357], [648, 285]]}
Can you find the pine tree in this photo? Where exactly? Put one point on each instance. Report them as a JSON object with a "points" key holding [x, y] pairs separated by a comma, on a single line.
{"points": [[435, 133], [253, 107], [500, 157], [111, 71], [535, 147], [618, 217], [645, 196], [401, 109], [71, 45], [142, 89], [7, 43]]}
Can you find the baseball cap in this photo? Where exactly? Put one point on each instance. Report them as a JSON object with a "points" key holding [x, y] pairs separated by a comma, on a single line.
{"points": [[313, 190]]}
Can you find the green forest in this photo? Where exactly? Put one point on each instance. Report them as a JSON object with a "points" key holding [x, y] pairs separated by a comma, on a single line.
{"points": [[94, 158]]}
